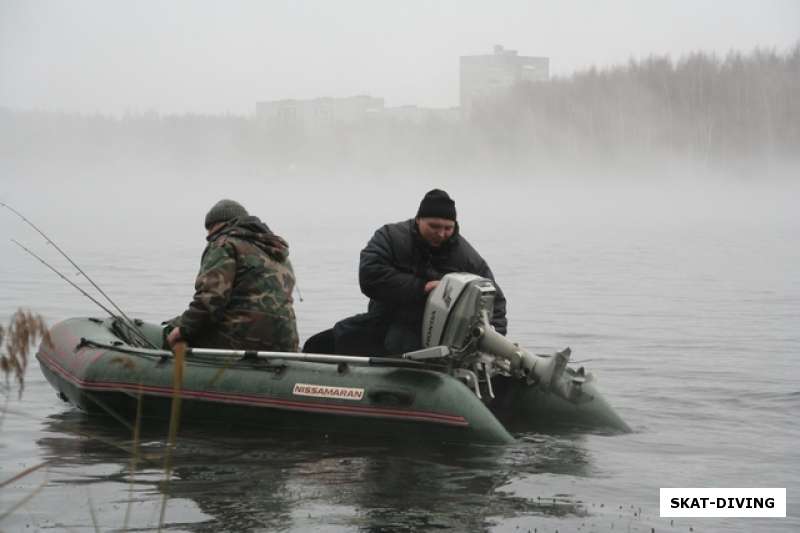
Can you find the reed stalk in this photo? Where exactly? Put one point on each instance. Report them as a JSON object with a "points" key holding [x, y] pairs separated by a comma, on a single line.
{"points": [[134, 457], [24, 331], [174, 422]]}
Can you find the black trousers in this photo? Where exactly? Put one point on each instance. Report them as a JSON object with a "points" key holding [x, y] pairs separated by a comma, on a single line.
{"points": [[366, 335]]}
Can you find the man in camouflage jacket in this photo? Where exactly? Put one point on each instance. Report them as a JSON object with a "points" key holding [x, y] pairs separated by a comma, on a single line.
{"points": [[243, 292]]}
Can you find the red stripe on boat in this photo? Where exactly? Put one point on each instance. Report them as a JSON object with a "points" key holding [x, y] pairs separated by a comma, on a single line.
{"points": [[249, 399]]}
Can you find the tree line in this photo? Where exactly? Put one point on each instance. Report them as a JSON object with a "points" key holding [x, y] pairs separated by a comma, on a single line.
{"points": [[740, 111], [702, 108]]}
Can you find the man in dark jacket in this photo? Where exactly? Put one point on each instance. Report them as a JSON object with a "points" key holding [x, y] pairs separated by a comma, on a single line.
{"points": [[243, 292], [400, 266]]}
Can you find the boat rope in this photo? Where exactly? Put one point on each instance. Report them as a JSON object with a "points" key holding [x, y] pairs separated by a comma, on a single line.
{"points": [[212, 355], [125, 317]]}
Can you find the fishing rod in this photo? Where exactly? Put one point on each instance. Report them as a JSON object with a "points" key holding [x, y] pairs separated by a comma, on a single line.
{"points": [[132, 327], [68, 258], [65, 278], [126, 318]]}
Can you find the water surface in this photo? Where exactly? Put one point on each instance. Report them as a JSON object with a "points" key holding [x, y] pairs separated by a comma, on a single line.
{"points": [[686, 308]]}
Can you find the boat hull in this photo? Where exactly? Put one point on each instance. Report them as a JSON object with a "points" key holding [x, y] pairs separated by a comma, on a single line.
{"points": [[394, 401], [524, 408], [407, 403]]}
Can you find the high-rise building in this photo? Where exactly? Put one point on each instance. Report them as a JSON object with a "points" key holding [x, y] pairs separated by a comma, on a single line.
{"points": [[485, 77]]}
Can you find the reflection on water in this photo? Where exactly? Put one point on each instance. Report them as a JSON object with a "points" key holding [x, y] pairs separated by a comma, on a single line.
{"points": [[298, 481]]}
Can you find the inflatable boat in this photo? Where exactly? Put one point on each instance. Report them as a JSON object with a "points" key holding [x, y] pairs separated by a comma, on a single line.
{"points": [[468, 384]]}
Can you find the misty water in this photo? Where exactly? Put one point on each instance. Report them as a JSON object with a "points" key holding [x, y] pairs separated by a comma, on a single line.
{"points": [[682, 296]]}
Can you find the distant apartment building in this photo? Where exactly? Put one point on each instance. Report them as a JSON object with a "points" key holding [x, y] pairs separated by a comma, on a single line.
{"points": [[317, 113], [485, 77], [419, 115]]}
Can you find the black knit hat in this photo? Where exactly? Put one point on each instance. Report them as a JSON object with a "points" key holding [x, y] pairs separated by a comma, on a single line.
{"points": [[223, 211], [437, 204]]}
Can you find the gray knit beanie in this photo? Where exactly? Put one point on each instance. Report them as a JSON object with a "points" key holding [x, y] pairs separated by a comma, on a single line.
{"points": [[223, 211]]}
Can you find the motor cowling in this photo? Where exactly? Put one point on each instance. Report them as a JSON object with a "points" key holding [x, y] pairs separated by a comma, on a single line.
{"points": [[454, 307], [457, 315]]}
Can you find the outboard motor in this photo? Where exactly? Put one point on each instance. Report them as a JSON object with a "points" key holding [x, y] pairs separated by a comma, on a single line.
{"points": [[457, 316]]}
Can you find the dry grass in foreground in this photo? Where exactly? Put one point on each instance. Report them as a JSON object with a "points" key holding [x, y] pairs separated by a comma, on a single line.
{"points": [[24, 331], [27, 329]]}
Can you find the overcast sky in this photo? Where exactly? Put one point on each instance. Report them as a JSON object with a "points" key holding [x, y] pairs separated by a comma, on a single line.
{"points": [[211, 57]]}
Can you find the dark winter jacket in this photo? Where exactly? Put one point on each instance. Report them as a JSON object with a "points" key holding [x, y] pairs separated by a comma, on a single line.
{"points": [[397, 263]]}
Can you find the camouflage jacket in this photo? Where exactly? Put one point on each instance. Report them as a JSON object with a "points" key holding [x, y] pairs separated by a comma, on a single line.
{"points": [[243, 292]]}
